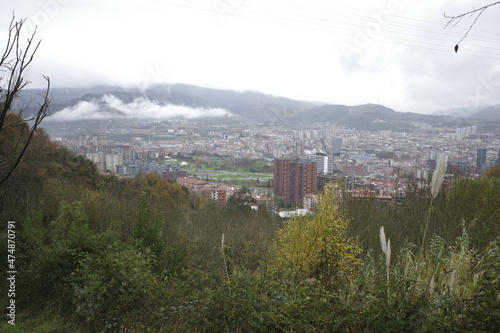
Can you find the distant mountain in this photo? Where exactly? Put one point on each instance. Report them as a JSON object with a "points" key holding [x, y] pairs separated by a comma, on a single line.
{"points": [[489, 113], [252, 105], [170, 101], [479, 112], [374, 117], [459, 112]]}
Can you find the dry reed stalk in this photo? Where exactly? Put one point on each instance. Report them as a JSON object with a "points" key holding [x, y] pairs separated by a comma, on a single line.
{"points": [[437, 180], [386, 249], [224, 257]]}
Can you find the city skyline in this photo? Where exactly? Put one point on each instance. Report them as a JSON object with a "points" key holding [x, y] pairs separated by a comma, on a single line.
{"points": [[289, 163]]}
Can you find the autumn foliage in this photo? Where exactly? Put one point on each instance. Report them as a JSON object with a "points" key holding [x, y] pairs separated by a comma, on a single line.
{"points": [[318, 246]]}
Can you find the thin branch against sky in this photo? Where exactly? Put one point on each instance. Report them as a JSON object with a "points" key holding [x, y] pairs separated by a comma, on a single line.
{"points": [[457, 18]]}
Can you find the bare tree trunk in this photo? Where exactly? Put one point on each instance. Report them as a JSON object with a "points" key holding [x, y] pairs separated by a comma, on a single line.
{"points": [[17, 127]]}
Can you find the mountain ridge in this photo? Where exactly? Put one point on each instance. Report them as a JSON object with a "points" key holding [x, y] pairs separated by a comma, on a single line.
{"points": [[170, 101]]}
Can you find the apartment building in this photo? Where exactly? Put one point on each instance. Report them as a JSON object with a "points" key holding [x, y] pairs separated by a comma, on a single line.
{"points": [[293, 179]]}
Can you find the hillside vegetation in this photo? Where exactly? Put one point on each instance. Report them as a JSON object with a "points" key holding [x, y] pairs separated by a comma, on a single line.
{"points": [[101, 254]]}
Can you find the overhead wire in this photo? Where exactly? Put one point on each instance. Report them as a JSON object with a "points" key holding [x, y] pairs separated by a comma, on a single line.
{"points": [[404, 17], [390, 24], [240, 9], [397, 32], [300, 20], [393, 18]]}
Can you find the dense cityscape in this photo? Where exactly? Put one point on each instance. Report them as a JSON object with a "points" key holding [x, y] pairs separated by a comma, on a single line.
{"points": [[377, 164]]}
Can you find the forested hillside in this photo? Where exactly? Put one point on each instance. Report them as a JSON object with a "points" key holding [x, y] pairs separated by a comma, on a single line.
{"points": [[99, 254]]}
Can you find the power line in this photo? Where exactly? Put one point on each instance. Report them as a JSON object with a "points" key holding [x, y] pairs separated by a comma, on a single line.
{"points": [[394, 32], [301, 23], [371, 18], [405, 17]]}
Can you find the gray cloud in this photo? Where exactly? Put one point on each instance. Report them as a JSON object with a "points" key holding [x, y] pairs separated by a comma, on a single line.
{"points": [[350, 53], [111, 107]]}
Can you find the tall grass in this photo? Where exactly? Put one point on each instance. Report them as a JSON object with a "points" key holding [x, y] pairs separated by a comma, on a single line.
{"points": [[437, 180], [386, 249], [449, 286], [453, 270], [222, 248]]}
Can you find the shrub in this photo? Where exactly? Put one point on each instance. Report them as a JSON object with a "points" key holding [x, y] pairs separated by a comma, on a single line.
{"points": [[113, 288], [317, 246], [48, 269]]}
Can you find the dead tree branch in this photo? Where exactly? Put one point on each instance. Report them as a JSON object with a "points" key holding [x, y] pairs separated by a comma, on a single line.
{"points": [[17, 128], [454, 20]]}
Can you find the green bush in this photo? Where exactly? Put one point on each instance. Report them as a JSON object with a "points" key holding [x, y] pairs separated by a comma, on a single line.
{"points": [[113, 288], [481, 311], [50, 265], [147, 235]]}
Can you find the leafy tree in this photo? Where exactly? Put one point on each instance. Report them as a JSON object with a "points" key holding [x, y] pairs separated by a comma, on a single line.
{"points": [[493, 172], [71, 241], [318, 246], [241, 200], [147, 231], [25, 183], [114, 287], [70, 215], [161, 191]]}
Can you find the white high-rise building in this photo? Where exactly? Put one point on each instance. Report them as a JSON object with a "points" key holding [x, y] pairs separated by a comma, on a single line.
{"points": [[324, 163]]}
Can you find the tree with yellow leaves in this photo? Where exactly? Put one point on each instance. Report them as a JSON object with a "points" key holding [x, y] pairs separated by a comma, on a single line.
{"points": [[317, 246]]}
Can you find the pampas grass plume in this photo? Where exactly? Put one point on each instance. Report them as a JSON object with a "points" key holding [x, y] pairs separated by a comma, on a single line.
{"points": [[386, 249], [382, 239], [438, 176], [437, 180]]}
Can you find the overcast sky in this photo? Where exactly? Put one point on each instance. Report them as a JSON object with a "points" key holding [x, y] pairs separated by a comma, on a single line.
{"points": [[395, 53]]}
